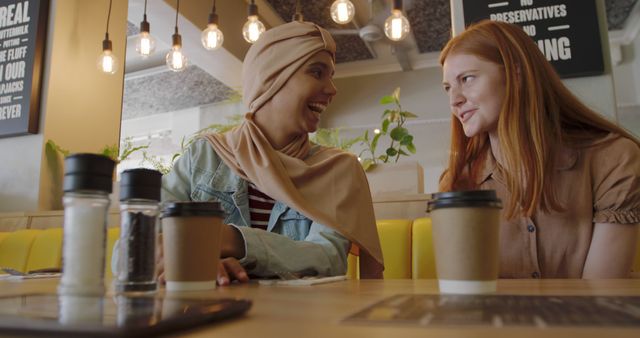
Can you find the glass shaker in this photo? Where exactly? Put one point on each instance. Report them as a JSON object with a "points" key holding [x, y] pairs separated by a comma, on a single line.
{"points": [[139, 219], [87, 183]]}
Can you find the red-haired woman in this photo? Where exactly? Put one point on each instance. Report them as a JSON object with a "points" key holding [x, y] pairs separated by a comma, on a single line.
{"points": [[569, 177]]}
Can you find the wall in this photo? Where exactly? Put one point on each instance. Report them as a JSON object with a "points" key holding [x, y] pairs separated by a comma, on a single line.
{"points": [[80, 107], [356, 106], [627, 80]]}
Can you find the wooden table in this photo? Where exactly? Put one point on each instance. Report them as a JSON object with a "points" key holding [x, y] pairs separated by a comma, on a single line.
{"points": [[317, 311]]}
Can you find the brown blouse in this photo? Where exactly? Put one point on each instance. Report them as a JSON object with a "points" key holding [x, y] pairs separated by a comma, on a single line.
{"points": [[596, 184]]}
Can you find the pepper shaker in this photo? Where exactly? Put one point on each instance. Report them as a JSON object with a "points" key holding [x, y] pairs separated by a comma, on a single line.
{"points": [[139, 218]]}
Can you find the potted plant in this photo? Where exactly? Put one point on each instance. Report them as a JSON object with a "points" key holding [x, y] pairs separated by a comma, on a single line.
{"points": [[115, 152], [385, 174]]}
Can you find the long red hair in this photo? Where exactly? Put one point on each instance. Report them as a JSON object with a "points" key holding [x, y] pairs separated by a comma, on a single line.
{"points": [[538, 114]]}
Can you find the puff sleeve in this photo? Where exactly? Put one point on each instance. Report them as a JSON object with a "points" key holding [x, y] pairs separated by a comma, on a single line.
{"points": [[616, 182]]}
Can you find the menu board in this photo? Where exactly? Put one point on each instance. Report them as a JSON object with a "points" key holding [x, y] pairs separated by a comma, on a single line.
{"points": [[22, 34], [566, 31], [502, 311]]}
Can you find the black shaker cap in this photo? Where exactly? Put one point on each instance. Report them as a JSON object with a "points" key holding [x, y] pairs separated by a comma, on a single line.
{"points": [[140, 183], [91, 172]]}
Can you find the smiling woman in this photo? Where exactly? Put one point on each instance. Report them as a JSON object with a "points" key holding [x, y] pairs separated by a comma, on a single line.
{"points": [[313, 201], [570, 177]]}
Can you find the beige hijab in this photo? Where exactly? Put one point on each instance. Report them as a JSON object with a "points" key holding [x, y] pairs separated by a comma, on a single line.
{"points": [[327, 185]]}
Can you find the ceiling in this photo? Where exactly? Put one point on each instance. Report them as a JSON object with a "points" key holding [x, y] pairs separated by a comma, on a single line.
{"points": [[150, 88]]}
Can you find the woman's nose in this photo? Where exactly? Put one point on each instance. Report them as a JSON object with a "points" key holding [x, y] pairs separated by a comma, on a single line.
{"points": [[330, 88], [455, 97]]}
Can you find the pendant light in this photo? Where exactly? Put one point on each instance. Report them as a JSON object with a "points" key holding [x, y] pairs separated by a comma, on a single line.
{"points": [[397, 27], [297, 16], [253, 28], [342, 11], [107, 62], [175, 58], [145, 43], [212, 36]]}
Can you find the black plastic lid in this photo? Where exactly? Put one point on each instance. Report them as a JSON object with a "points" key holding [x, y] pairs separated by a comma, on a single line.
{"points": [[140, 183], [88, 172], [182, 209], [468, 198]]}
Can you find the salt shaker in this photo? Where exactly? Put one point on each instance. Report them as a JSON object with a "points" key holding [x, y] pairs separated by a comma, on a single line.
{"points": [[87, 184], [139, 218]]}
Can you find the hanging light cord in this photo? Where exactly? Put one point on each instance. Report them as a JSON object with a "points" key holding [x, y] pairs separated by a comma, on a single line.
{"points": [[108, 18], [145, 10], [177, 10], [297, 16], [213, 10]]}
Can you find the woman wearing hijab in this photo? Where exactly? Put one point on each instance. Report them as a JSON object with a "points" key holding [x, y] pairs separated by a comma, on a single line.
{"points": [[292, 206], [570, 177]]}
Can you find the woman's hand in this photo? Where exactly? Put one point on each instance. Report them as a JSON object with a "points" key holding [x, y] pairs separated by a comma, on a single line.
{"points": [[229, 269]]}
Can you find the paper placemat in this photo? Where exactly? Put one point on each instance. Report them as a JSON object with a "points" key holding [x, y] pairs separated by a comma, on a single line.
{"points": [[501, 311]]}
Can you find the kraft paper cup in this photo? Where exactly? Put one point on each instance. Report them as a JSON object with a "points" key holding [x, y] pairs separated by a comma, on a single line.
{"points": [[191, 241], [465, 233]]}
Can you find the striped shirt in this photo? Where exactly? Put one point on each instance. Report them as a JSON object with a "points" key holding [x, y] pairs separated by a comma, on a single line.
{"points": [[260, 206]]}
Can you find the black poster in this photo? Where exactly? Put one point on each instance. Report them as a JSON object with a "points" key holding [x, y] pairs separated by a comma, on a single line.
{"points": [[566, 31], [22, 34]]}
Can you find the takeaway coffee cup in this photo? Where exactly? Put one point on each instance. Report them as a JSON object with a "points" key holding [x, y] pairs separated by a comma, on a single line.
{"points": [[465, 235], [191, 241]]}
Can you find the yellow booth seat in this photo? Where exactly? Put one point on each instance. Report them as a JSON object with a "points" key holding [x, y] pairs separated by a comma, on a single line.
{"points": [[46, 251], [423, 264], [395, 240], [15, 248], [112, 235], [3, 234], [407, 248]]}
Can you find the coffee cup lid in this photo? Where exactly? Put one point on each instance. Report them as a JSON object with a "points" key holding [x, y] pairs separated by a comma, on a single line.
{"points": [[192, 208], [467, 198]]}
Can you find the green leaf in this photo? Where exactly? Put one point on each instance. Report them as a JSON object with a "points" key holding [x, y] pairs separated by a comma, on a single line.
{"points": [[374, 143], [367, 164], [396, 95], [391, 151], [407, 139], [408, 115], [383, 158], [53, 146], [411, 148], [366, 135], [402, 152], [393, 116], [387, 99], [386, 113], [398, 133], [385, 125], [111, 152], [347, 144]]}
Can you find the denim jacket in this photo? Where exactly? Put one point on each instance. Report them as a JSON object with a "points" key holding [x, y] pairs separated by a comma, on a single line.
{"points": [[291, 243]]}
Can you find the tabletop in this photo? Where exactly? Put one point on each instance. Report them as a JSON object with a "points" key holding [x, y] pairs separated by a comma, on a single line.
{"points": [[320, 310]]}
